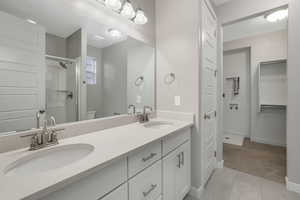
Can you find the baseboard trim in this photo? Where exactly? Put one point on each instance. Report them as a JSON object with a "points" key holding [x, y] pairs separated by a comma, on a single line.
{"points": [[264, 141], [196, 192], [290, 186], [220, 164]]}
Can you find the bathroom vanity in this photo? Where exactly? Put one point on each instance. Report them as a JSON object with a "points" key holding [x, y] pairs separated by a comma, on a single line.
{"points": [[132, 162]]}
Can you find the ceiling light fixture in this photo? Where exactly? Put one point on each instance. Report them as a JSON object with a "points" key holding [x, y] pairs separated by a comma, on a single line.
{"points": [[140, 17], [31, 21], [128, 10], [115, 33], [277, 15], [114, 4], [99, 37]]}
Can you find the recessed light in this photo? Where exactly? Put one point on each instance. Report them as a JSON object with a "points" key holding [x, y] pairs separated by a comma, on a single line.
{"points": [[31, 21], [277, 15], [115, 33], [99, 37]]}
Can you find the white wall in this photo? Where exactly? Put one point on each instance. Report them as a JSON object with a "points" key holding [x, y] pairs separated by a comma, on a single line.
{"points": [[95, 92], [293, 113], [114, 60], [56, 46], [177, 34], [140, 62], [237, 64], [267, 128]]}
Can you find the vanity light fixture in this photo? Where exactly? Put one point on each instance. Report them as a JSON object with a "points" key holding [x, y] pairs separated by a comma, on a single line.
{"points": [[115, 33], [128, 10], [140, 17], [114, 4], [31, 21], [277, 15]]}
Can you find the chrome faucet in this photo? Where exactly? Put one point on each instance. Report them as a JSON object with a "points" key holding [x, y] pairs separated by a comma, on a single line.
{"points": [[38, 118], [44, 137], [133, 108], [144, 117]]}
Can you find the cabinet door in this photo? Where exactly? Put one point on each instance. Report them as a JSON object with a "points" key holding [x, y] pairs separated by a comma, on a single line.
{"points": [[119, 194], [170, 175], [176, 173], [183, 183], [147, 184]]}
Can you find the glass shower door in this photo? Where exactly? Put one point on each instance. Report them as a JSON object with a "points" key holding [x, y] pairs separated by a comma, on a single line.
{"points": [[61, 90]]}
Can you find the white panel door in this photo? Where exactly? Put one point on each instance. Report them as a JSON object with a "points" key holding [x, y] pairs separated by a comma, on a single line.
{"points": [[209, 90], [22, 66]]}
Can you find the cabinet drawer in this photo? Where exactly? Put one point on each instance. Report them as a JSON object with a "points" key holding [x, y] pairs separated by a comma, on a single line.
{"points": [[119, 194], [176, 139], [95, 185], [146, 185], [143, 158]]}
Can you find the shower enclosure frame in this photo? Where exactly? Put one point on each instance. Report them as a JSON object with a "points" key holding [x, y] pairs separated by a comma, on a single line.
{"points": [[77, 78]]}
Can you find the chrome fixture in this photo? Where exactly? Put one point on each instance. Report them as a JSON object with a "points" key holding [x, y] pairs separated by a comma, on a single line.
{"points": [[144, 117], [139, 81], [133, 109], [236, 85], [126, 9], [38, 118], [44, 137]]}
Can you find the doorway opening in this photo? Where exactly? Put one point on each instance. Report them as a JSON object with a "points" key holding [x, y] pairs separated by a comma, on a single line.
{"points": [[255, 97]]}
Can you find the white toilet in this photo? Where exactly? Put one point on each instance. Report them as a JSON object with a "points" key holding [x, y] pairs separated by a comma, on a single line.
{"points": [[91, 115]]}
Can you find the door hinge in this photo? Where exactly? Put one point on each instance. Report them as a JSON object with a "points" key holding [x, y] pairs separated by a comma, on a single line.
{"points": [[215, 154], [216, 73], [215, 113]]}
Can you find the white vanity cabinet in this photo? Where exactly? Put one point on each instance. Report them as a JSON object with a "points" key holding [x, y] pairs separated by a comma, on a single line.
{"points": [[158, 171], [177, 173], [95, 185]]}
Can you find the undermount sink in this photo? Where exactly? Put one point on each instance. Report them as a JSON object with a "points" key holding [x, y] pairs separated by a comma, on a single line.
{"points": [[49, 159], [158, 124]]}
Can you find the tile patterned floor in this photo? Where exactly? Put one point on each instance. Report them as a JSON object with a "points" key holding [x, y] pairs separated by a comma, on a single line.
{"points": [[228, 184], [257, 159]]}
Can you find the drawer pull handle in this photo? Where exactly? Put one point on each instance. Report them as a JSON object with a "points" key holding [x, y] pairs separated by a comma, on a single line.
{"points": [[179, 160], [182, 158], [150, 190], [149, 157]]}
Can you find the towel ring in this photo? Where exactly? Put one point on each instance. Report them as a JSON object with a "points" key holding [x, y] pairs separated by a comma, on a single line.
{"points": [[139, 81], [170, 78]]}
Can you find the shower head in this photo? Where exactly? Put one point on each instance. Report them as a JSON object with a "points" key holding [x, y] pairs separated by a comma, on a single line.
{"points": [[63, 65]]}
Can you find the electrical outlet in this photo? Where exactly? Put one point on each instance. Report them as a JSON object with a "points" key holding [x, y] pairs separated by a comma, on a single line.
{"points": [[177, 100]]}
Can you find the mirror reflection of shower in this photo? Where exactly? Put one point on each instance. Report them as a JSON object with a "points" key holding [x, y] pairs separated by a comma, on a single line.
{"points": [[61, 87]]}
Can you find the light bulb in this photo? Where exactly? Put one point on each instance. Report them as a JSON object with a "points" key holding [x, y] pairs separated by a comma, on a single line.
{"points": [[115, 33], [127, 10], [140, 17], [277, 15], [113, 4]]}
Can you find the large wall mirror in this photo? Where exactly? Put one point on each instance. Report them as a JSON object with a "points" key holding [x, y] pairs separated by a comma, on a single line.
{"points": [[86, 72]]}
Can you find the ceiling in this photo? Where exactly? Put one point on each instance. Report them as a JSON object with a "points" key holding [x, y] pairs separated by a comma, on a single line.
{"points": [[220, 2], [64, 17], [251, 27]]}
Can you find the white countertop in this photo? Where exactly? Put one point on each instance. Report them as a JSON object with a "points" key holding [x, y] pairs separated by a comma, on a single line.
{"points": [[109, 144]]}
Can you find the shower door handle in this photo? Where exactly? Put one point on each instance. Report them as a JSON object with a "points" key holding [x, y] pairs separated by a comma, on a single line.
{"points": [[207, 116]]}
